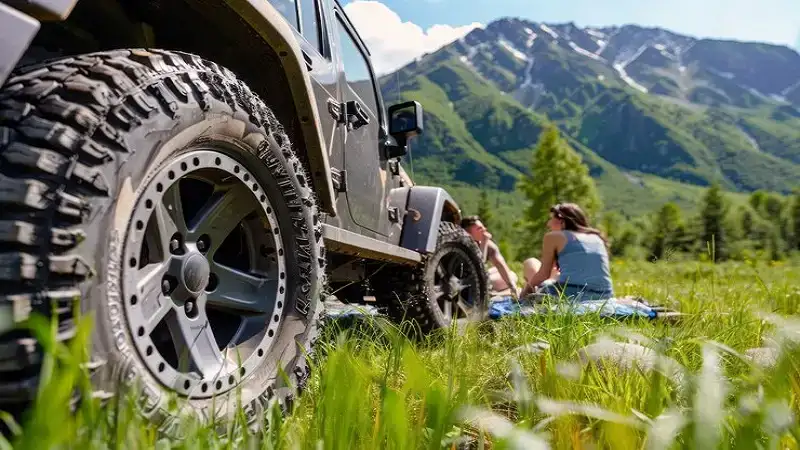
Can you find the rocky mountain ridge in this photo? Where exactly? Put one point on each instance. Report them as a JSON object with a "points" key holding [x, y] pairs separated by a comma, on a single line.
{"points": [[638, 103]]}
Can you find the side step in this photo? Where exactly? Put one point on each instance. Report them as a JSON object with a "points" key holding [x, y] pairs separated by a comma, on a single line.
{"points": [[338, 240]]}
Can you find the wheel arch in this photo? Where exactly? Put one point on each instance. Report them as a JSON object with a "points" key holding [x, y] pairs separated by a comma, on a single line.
{"points": [[426, 208], [249, 37]]}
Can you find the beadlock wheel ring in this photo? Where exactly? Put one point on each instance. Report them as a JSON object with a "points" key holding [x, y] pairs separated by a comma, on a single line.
{"points": [[454, 288], [174, 280]]}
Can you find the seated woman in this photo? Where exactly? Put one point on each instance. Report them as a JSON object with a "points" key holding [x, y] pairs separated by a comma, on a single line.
{"points": [[580, 253]]}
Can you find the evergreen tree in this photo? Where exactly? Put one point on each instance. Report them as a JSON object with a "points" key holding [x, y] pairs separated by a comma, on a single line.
{"points": [[747, 223], [668, 231], [757, 200], [626, 239], [713, 235], [557, 175], [773, 208], [485, 210], [775, 245], [794, 219], [620, 234]]}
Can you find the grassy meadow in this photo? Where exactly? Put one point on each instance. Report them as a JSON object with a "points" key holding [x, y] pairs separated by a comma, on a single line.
{"points": [[515, 383]]}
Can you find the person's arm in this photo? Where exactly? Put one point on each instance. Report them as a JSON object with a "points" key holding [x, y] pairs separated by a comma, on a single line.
{"points": [[549, 249], [555, 272], [502, 268]]}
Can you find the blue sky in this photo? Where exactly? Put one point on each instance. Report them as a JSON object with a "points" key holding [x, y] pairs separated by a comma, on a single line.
{"points": [[753, 20], [400, 30]]}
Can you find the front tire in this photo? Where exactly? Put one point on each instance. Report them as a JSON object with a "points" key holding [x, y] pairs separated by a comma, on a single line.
{"points": [[159, 190], [450, 285]]}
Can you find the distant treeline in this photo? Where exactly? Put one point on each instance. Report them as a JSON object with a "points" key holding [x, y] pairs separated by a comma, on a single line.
{"points": [[767, 226]]}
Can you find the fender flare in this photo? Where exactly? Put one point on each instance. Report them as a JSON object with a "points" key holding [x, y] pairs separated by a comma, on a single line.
{"points": [[268, 23], [426, 207]]}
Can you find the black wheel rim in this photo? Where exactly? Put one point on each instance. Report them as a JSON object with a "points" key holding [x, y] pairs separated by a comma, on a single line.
{"points": [[455, 290], [204, 273]]}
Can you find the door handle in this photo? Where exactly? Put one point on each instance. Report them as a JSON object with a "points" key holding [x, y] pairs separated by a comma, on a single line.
{"points": [[356, 116]]}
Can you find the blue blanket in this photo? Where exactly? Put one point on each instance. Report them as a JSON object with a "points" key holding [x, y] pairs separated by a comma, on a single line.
{"points": [[618, 308]]}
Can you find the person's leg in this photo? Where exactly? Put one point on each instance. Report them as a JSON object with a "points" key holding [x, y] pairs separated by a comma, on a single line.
{"points": [[530, 267], [497, 281]]}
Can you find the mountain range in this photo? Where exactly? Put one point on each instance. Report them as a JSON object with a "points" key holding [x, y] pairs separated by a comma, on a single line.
{"points": [[656, 115]]}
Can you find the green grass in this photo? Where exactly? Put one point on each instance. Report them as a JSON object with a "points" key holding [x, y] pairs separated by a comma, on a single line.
{"points": [[373, 388]]}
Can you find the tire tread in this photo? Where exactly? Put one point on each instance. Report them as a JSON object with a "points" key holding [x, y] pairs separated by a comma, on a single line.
{"points": [[62, 124]]}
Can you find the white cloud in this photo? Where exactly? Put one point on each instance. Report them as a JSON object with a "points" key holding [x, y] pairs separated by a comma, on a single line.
{"points": [[394, 43]]}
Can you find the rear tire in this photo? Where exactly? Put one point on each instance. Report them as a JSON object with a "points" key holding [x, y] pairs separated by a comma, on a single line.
{"points": [[450, 284], [88, 146]]}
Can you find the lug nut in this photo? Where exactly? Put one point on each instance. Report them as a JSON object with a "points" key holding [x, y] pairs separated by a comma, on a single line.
{"points": [[190, 308], [166, 286], [203, 243], [174, 245]]}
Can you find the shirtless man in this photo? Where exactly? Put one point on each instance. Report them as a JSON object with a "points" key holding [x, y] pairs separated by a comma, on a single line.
{"points": [[500, 275]]}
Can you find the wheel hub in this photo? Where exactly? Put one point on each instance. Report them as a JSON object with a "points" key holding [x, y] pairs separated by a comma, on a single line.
{"points": [[204, 278], [455, 284], [195, 272]]}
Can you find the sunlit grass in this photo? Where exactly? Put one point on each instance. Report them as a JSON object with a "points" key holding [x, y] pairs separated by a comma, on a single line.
{"points": [[517, 382]]}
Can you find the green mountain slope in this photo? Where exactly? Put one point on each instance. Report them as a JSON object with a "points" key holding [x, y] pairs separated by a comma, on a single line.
{"points": [[655, 115]]}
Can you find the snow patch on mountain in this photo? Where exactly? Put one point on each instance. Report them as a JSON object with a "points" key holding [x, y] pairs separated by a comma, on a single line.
{"points": [[584, 52], [517, 54], [778, 98], [472, 51], [528, 81], [750, 139], [548, 30], [531, 38], [623, 61], [726, 75], [666, 52], [791, 88], [528, 93], [603, 43], [595, 33], [756, 92]]}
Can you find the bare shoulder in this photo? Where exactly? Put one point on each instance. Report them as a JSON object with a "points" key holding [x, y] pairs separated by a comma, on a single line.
{"points": [[556, 239]]}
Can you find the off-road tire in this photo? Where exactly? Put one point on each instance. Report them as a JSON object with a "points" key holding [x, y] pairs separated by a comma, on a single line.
{"points": [[79, 137], [409, 293]]}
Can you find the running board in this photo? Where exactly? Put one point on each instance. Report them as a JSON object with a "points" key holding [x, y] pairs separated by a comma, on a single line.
{"points": [[338, 240]]}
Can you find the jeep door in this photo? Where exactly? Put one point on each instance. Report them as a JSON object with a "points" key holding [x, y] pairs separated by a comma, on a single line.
{"points": [[366, 167], [311, 21]]}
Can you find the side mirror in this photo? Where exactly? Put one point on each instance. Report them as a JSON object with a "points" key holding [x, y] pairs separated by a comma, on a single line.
{"points": [[405, 121]]}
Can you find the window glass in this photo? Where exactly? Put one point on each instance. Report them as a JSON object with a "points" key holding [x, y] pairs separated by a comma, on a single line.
{"points": [[288, 9], [356, 70], [310, 17]]}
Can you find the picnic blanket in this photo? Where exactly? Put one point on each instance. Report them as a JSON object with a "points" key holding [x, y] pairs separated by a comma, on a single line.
{"points": [[618, 308]]}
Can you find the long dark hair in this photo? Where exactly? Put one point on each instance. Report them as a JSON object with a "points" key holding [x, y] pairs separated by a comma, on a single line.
{"points": [[575, 219]]}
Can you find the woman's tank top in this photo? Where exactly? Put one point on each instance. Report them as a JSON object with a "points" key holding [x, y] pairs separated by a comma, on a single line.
{"points": [[584, 263]]}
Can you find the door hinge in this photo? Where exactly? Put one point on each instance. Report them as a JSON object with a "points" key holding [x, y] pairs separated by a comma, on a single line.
{"points": [[394, 167], [336, 110], [339, 179], [394, 214]]}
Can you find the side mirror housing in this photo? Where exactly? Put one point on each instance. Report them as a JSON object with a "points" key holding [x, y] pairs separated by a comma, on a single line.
{"points": [[405, 122]]}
